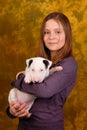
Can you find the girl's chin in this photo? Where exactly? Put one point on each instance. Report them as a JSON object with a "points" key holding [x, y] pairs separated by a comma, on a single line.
{"points": [[53, 49]]}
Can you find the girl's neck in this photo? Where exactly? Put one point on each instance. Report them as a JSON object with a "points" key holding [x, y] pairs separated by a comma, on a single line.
{"points": [[53, 53]]}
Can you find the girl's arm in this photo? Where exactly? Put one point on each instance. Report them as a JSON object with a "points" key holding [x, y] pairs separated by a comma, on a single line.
{"points": [[55, 83]]}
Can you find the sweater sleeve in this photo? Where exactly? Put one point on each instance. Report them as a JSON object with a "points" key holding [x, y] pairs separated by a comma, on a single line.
{"points": [[54, 83]]}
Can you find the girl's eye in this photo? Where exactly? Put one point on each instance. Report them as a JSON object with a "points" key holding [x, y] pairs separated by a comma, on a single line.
{"points": [[46, 32], [57, 32]]}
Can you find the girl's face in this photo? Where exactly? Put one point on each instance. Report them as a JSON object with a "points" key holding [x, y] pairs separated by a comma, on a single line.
{"points": [[54, 36]]}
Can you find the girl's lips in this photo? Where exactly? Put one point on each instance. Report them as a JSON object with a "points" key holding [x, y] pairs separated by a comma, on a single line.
{"points": [[51, 42]]}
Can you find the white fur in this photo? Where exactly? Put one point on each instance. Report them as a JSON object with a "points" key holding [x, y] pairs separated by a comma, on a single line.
{"points": [[36, 72], [17, 95]]}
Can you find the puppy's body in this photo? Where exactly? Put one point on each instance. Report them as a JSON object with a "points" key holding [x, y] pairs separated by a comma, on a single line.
{"points": [[37, 70], [21, 97]]}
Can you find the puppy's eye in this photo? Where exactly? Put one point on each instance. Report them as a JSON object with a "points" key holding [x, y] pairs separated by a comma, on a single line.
{"points": [[33, 70], [41, 70]]}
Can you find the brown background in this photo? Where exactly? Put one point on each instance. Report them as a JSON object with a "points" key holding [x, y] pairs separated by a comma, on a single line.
{"points": [[19, 36]]}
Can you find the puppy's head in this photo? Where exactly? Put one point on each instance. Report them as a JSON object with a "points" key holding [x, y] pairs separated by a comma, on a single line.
{"points": [[38, 68], [38, 60]]}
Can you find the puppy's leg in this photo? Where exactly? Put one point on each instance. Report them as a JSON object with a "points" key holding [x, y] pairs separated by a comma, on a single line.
{"points": [[27, 78], [54, 69], [13, 97]]}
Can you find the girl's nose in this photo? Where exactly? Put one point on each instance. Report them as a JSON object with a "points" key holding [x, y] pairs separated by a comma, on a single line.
{"points": [[51, 36]]}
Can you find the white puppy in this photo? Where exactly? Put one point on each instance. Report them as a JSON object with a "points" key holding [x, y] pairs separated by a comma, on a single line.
{"points": [[37, 70]]}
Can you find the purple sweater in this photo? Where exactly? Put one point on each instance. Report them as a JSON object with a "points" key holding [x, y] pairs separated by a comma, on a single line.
{"points": [[51, 93]]}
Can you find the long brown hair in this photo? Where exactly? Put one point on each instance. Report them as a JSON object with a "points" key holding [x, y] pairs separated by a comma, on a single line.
{"points": [[66, 50]]}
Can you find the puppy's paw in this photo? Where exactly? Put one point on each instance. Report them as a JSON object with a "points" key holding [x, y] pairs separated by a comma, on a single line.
{"points": [[27, 79], [58, 68]]}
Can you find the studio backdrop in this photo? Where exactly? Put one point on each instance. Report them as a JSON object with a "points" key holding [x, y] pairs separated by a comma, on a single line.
{"points": [[20, 22]]}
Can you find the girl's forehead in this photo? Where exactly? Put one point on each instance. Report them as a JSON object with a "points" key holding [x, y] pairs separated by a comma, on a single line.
{"points": [[52, 23]]}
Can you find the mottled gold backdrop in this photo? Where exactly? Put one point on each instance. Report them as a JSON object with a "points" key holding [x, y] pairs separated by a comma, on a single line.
{"points": [[19, 36]]}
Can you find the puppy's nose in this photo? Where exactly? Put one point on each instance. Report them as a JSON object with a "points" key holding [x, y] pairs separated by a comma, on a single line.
{"points": [[36, 81]]}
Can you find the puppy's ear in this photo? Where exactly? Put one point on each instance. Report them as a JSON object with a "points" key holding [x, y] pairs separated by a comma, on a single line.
{"points": [[47, 63], [28, 62]]}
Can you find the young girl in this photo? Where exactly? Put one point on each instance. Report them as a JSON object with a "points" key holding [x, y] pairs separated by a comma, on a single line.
{"points": [[47, 110]]}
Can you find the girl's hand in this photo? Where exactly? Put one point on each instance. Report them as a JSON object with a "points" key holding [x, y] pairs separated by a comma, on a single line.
{"points": [[19, 110], [21, 72]]}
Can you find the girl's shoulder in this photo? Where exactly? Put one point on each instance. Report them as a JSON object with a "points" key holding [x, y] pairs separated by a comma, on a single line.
{"points": [[69, 64], [70, 60]]}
